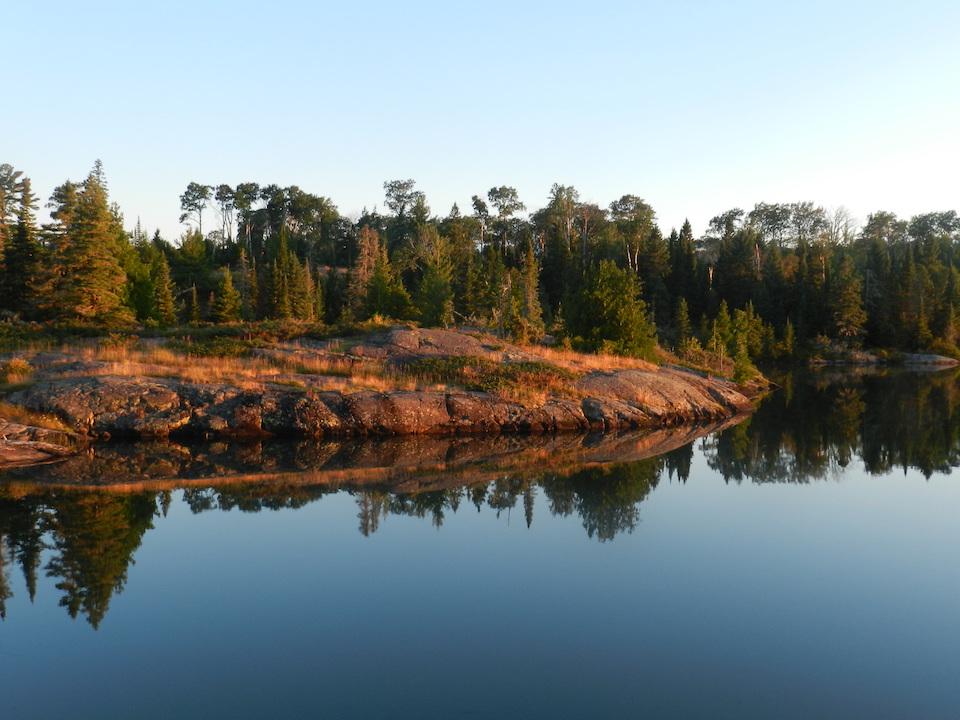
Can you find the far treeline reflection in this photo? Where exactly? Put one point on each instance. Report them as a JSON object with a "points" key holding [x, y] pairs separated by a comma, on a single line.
{"points": [[811, 429]]}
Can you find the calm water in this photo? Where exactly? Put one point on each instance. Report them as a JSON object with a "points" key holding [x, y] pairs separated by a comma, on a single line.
{"points": [[802, 564]]}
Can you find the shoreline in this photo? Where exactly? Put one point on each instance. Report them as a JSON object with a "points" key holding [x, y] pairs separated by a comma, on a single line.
{"points": [[432, 382]]}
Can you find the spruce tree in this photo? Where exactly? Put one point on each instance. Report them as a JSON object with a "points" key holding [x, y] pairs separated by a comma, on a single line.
{"points": [[435, 294], [530, 302], [319, 304], [193, 310], [494, 282], [369, 252], [435, 299], [611, 314], [93, 282], [227, 306], [164, 293], [681, 324], [849, 317], [743, 369], [724, 326], [298, 291], [386, 295], [280, 291], [246, 285], [253, 298], [309, 294], [788, 342], [950, 328], [21, 257], [56, 240]]}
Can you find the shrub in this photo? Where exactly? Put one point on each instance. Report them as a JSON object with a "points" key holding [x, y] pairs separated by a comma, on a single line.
{"points": [[16, 370]]}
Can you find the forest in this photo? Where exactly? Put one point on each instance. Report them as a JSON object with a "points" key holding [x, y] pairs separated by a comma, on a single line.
{"points": [[778, 281]]}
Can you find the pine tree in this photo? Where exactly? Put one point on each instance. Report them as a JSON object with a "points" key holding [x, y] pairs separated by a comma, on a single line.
{"points": [[163, 292], [21, 257], [227, 306]]}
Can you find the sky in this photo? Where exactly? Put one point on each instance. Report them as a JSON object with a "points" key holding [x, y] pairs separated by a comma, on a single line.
{"points": [[697, 107]]}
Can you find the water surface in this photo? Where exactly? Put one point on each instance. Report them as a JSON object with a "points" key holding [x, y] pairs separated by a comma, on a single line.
{"points": [[799, 564]]}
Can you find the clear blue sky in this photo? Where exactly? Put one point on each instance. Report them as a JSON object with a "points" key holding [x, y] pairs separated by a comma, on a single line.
{"points": [[695, 106]]}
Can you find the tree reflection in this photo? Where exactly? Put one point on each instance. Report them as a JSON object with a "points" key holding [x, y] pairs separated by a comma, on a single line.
{"points": [[95, 536], [91, 539], [818, 424], [821, 422]]}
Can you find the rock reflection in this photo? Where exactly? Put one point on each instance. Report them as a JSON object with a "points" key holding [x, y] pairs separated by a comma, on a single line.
{"points": [[80, 522]]}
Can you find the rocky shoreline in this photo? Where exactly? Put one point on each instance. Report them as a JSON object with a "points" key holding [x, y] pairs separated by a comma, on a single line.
{"points": [[105, 405], [110, 406]]}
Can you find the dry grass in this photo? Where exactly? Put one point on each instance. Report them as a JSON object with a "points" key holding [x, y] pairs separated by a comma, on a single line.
{"points": [[578, 362], [698, 360], [318, 372], [155, 361], [530, 377], [17, 414]]}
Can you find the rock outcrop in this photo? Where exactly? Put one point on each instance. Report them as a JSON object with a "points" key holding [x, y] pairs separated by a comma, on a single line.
{"points": [[96, 398], [112, 406], [29, 445]]}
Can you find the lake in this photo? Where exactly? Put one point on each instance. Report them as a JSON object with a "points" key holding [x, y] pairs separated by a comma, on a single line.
{"points": [[798, 564]]}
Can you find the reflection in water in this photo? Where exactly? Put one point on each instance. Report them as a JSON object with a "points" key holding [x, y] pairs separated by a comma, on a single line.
{"points": [[91, 539], [85, 538], [818, 423]]}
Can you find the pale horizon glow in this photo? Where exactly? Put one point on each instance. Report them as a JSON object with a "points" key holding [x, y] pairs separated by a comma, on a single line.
{"points": [[697, 107]]}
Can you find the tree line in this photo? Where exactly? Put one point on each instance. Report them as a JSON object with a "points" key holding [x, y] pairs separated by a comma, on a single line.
{"points": [[770, 282]]}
